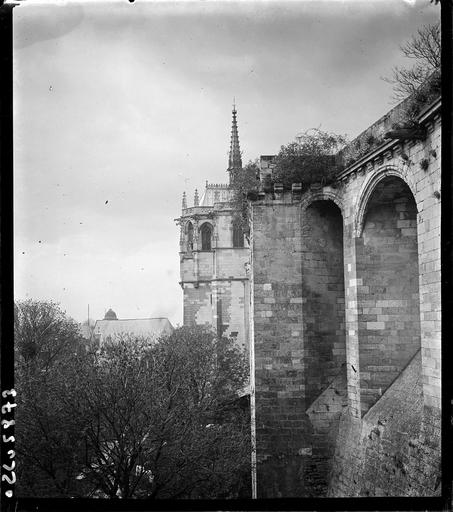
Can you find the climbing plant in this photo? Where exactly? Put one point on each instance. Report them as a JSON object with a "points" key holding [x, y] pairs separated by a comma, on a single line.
{"points": [[243, 182]]}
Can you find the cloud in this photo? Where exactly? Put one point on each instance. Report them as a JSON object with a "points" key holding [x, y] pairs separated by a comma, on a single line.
{"points": [[133, 105], [36, 23]]}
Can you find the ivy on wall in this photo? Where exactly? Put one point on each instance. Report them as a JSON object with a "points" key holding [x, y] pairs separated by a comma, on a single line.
{"points": [[243, 182]]}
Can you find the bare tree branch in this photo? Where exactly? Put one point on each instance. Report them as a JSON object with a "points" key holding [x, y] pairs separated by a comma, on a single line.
{"points": [[425, 49]]}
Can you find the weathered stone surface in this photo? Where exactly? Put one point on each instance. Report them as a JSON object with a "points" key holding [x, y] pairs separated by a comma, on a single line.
{"points": [[215, 283], [343, 298], [355, 292], [394, 450]]}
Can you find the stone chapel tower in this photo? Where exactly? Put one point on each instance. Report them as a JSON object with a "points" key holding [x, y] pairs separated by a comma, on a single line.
{"points": [[214, 256]]}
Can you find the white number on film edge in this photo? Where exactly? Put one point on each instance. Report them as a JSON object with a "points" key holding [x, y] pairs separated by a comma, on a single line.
{"points": [[6, 424]]}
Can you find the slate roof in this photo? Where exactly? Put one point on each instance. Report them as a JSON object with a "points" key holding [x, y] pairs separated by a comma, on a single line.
{"points": [[216, 194], [146, 327]]}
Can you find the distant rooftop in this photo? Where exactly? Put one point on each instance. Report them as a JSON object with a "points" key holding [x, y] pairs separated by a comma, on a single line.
{"points": [[110, 315], [215, 193], [111, 327]]}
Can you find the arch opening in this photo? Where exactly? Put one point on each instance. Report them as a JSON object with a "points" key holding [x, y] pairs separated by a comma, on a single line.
{"points": [[324, 338], [323, 296], [387, 288]]}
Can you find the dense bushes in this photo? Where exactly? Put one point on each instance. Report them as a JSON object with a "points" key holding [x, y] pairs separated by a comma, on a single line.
{"points": [[311, 159]]}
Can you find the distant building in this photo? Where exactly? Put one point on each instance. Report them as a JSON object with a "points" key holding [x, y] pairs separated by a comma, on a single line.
{"points": [[214, 257], [111, 327]]}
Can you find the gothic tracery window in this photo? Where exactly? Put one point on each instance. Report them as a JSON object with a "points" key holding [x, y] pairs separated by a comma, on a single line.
{"points": [[206, 235], [190, 236], [238, 235]]}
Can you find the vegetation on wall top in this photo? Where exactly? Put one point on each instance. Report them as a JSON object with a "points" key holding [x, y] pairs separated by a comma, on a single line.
{"points": [[311, 159], [317, 156], [426, 94]]}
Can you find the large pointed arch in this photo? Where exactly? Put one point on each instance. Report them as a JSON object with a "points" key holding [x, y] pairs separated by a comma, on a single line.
{"points": [[369, 185], [387, 270]]}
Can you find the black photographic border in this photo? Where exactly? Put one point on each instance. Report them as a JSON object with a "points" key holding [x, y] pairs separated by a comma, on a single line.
{"points": [[444, 502]]}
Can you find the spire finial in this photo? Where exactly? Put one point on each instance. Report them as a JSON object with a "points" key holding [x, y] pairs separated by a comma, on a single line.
{"points": [[184, 200], [196, 201], [234, 160]]}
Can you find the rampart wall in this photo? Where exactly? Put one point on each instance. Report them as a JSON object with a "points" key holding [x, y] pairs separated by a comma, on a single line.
{"points": [[346, 294]]}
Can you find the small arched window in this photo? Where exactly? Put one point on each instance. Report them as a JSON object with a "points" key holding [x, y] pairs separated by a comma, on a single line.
{"points": [[206, 235], [238, 235], [189, 236]]}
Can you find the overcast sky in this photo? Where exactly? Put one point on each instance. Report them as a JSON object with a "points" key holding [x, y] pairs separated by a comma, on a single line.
{"points": [[120, 107]]}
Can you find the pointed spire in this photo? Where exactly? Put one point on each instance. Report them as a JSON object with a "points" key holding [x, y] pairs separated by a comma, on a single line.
{"points": [[196, 201], [184, 201], [234, 160]]}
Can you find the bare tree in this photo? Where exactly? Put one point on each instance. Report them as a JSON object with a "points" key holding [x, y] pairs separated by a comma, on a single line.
{"points": [[47, 344], [424, 50], [135, 418], [43, 334], [163, 419]]}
